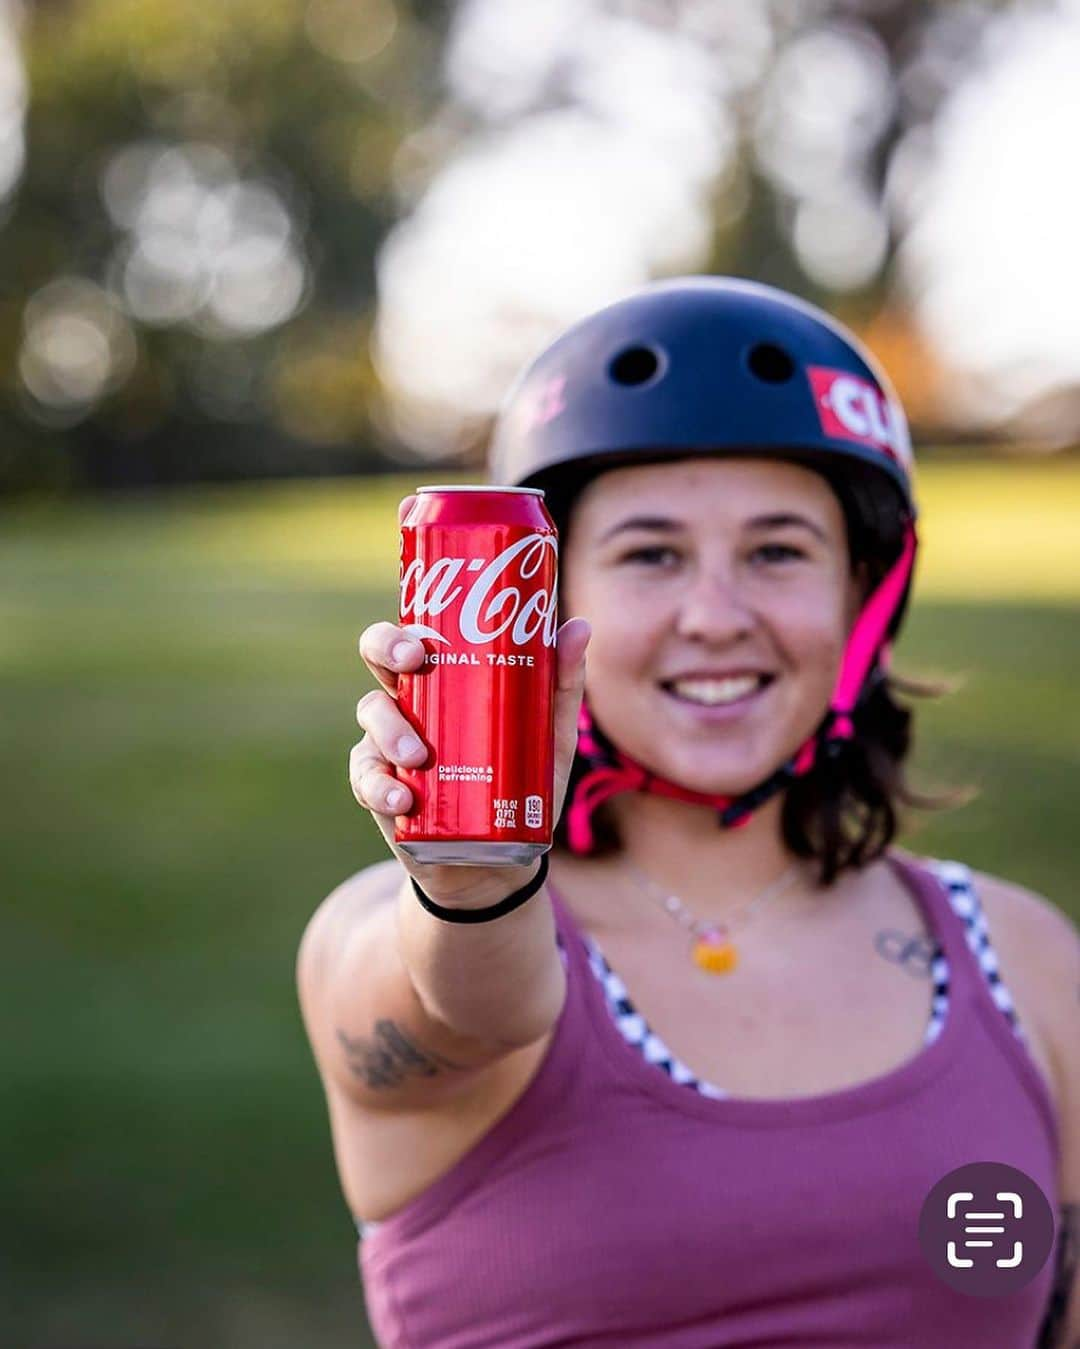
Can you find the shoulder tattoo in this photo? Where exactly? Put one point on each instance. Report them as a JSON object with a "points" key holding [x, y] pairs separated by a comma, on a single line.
{"points": [[912, 953]]}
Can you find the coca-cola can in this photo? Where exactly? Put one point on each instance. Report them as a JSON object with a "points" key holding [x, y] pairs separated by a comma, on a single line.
{"points": [[479, 568]]}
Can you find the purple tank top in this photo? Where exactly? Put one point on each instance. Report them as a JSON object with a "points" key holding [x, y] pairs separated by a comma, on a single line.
{"points": [[612, 1206]]}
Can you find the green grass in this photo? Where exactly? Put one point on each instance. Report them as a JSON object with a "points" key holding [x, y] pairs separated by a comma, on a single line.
{"points": [[178, 680]]}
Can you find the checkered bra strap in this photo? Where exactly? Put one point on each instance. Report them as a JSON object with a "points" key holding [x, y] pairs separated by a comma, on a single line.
{"points": [[964, 900]]}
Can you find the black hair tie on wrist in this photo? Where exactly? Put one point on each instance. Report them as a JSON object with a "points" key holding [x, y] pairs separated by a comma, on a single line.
{"points": [[506, 905]]}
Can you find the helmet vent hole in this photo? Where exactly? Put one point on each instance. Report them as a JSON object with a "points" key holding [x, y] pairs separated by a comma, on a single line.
{"points": [[635, 365], [770, 363]]}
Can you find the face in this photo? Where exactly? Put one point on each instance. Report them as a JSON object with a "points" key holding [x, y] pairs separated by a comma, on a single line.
{"points": [[720, 596]]}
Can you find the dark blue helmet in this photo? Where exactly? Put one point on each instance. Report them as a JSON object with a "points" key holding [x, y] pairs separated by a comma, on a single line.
{"points": [[704, 366], [707, 365]]}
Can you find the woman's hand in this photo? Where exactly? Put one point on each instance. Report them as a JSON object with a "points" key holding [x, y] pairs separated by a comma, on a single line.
{"points": [[389, 741]]}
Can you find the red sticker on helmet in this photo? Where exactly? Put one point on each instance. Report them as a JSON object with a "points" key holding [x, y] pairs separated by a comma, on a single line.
{"points": [[851, 408]]}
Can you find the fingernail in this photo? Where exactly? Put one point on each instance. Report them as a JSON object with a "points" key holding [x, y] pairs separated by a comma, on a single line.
{"points": [[395, 797], [407, 746], [400, 652]]}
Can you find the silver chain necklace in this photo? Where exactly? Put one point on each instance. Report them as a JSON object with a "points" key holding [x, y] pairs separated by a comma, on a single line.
{"points": [[711, 947]]}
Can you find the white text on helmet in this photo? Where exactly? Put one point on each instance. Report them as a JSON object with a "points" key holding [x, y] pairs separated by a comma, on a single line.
{"points": [[851, 408]]}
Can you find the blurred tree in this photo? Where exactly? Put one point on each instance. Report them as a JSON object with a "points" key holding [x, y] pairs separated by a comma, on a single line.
{"points": [[583, 147], [188, 258], [188, 274]]}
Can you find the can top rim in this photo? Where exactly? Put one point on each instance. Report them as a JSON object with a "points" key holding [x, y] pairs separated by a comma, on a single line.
{"points": [[455, 487]]}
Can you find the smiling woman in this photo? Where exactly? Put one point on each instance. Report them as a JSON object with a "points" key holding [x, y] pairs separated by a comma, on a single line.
{"points": [[681, 1149], [753, 530], [686, 612]]}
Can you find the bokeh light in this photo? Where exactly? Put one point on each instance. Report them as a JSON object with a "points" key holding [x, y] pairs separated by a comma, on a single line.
{"points": [[825, 105], [199, 244], [351, 30], [76, 347], [990, 257], [547, 183], [827, 99], [545, 212], [13, 96]]}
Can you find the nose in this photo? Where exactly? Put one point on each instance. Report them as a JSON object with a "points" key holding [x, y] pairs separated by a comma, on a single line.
{"points": [[714, 609]]}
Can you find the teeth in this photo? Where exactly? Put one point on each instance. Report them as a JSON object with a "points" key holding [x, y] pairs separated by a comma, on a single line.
{"points": [[714, 691]]}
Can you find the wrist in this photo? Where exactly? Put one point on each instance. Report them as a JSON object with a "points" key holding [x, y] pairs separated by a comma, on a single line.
{"points": [[480, 892]]}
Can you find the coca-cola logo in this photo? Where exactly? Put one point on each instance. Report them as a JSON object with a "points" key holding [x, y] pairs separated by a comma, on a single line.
{"points": [[489, 608], [851, 408]]}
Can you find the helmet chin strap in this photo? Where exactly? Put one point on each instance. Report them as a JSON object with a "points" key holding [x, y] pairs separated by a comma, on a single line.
{"points": [[618, 772]]}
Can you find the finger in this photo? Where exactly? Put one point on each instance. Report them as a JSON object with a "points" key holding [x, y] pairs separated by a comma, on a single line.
{"points": [[404, 507], [397, 742], [373, 785], [363, 757], [387, 651], [571, 642], [384, 795]]}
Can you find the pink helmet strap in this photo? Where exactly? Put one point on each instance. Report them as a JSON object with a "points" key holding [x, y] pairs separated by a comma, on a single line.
{"points": [[868, 638], [618, 772]]}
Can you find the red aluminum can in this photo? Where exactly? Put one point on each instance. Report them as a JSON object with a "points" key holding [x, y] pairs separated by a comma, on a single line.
{"points": [[479, 570]]}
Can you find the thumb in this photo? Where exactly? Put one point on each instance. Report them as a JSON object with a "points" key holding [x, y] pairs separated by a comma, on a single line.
{"points": [[571, 641], [404, 507]]}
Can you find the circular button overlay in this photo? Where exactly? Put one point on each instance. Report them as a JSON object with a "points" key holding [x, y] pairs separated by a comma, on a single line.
{"points": [[986, 1229]]}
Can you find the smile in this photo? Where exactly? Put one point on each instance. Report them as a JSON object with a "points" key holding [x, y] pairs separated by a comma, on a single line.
{"points": [[718, 699]]}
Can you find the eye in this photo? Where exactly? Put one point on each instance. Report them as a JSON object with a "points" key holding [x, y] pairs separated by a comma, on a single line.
{"points": [[778, 552], [648, 555]]}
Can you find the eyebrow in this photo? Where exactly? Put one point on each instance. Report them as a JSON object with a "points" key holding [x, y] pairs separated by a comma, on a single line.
{"points": [[662, 524]]}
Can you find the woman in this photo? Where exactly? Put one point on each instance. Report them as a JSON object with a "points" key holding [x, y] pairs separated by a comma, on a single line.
{"points": [[715, 1114]]}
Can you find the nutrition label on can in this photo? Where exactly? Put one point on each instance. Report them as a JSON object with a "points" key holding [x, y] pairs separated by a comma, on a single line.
{"points": [[506, 812], [465, 772]]}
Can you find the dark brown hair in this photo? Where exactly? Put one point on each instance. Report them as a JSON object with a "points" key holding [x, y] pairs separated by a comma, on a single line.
{"points": [[846, 810]]}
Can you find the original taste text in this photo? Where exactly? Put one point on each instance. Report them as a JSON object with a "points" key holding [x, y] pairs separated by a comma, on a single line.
{"points": [[473, 658]]}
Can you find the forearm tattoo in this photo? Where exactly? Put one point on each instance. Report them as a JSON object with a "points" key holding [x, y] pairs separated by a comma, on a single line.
{"points": [[1067, 1247], [390, 1057], [914, 954]]}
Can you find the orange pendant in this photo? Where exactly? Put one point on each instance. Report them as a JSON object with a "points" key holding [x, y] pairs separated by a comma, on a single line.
{"points": [[715, 954]]}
